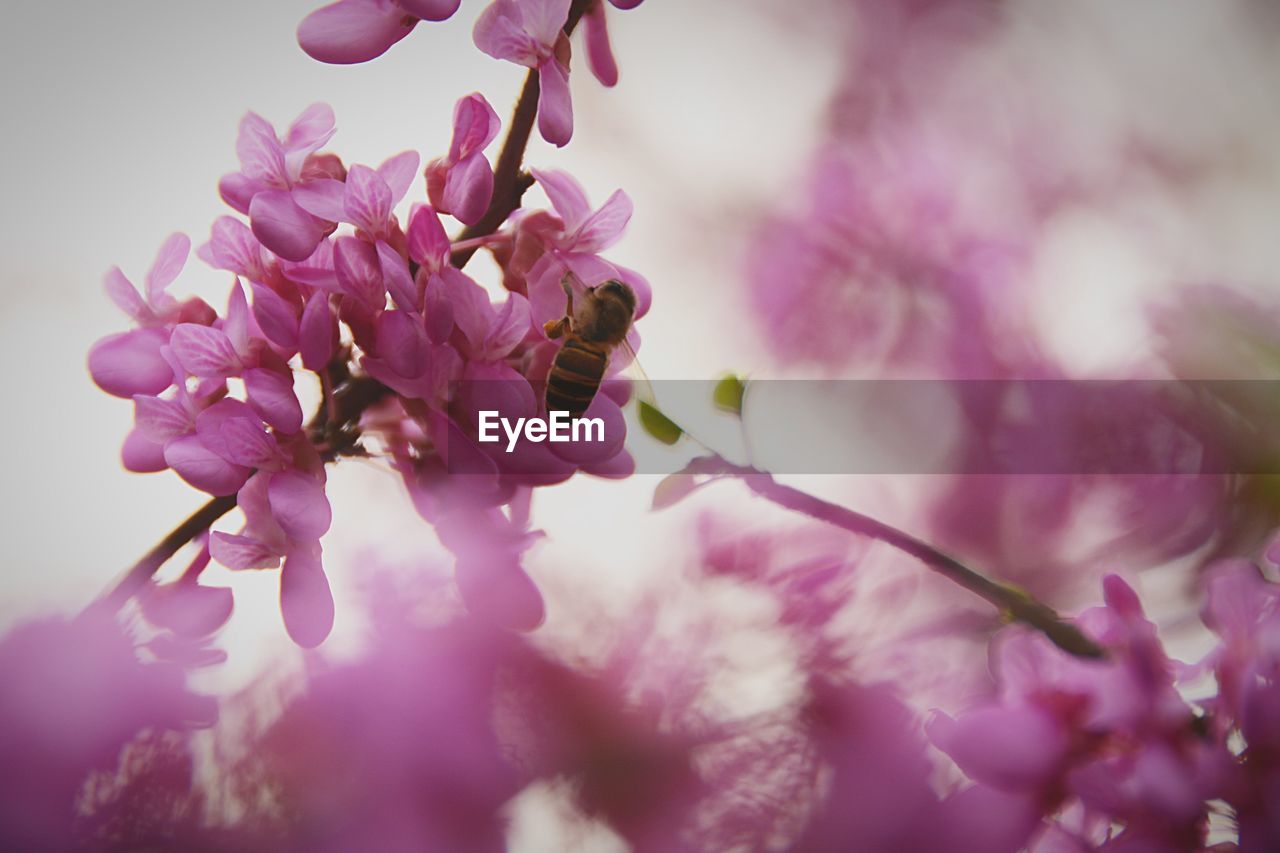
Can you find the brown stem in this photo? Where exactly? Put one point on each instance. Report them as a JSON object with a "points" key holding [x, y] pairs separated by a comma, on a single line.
{"points": [[336, 434], [137, 576], [1018, 605]]}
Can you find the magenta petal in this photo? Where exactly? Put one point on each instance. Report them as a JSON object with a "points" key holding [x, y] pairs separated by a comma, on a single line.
{"points": [[317, 332], [160, 420], [234, 248], [402, 343], [306, 602], [246, 443], [555, 107], [604, 227], [500, 32], [625, 4], [427, 241], [1008, 748], [438, 311], [566, 195], [368, 201], [399, 172], [544, 19], [238, 190], [188, 609], [313, 128], [353, 30], [124, 294], [497, 590], [283, 226], [359, 273], [241, 552], [204, 351], [299, 505], [430, 10], [323, 197], [141, 455], [468, 188], [271, 396], [599, 52], [396, 275], [475, 125], [275, 316], [203, 468], [508, 326], [130, 363], [170, 260], [261, 155]]}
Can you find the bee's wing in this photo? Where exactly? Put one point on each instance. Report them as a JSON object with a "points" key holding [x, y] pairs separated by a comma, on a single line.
{"points": [[626, 362]]}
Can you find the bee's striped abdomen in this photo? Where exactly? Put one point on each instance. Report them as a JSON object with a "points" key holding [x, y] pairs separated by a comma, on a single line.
{"points": [[575, 376]]}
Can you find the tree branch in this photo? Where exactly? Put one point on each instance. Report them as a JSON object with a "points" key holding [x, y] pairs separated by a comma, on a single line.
{"points": [[1019, 606]]}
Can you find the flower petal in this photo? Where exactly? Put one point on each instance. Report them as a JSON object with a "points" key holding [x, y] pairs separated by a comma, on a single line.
{"points": [[317, 332], [545, 19], [276, 318], [283, 226], [160, 420], [497, 590], [402, 343], [261, 155], [355, 262], [468, 189], [241, 552], [130, 363], [566, 195], [313, 128], [204, 351], [353, 30], [306, 602], [475, 125], [141, 455], [124, 294], [233, 247], [271, 396], [398, 172], [368, 201], [203, 468], [395, 273], [323, 197], [599, 53], [604, 227], [299, 505], [428, 244], [169, 261], [500, 32], [430, 10], [555, 107]]}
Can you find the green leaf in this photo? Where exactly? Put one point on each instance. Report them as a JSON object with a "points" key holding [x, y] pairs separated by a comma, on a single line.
{"points": [[728, 394], [659, 425]]}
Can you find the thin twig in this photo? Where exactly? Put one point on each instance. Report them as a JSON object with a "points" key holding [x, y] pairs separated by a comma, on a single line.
{"points": [[1019, 606]]}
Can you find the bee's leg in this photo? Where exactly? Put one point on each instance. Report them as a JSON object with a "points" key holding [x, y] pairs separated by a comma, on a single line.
{"points": [[556, 328]]}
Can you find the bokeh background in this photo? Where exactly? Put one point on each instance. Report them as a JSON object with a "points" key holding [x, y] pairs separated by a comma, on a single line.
{"points": [[1125, 150]]}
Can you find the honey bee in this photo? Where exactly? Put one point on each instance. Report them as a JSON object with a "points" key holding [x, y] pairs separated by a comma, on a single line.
{"points": [[591, 330]]}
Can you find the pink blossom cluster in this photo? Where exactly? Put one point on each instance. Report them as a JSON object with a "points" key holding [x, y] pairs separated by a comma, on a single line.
{"points": [[525, 32], [329, 283]]}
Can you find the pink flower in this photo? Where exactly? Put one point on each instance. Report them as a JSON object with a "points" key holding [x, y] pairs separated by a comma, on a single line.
{"points": [[366, 199], [531, 33], [572, 241], [461, 184], [270, 170], [351, 31], [1113, 737], [599, 52], [131, 363]]}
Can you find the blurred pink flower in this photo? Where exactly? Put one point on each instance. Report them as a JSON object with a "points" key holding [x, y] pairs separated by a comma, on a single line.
{"points": [[351, 31]]}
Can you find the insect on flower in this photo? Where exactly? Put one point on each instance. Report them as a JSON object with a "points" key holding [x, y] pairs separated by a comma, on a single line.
{"points": [[592, 330]]}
